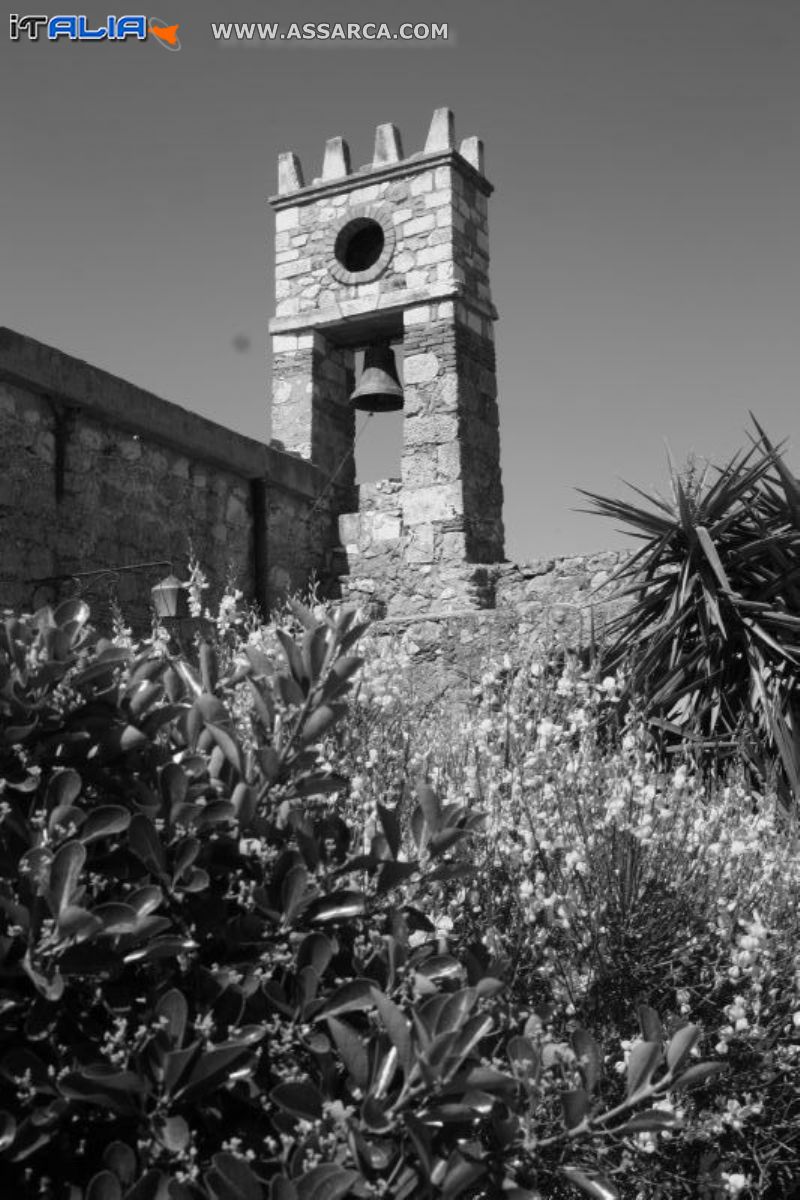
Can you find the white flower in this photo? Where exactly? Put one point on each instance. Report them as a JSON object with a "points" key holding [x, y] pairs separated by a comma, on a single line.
{"points": [[734, 1182]]}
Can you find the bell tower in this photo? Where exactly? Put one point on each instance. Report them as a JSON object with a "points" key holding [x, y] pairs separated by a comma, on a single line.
{"points": [[394, 257]]}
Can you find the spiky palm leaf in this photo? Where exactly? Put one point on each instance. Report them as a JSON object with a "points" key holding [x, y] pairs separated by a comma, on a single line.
{"points": [[711, 635]]}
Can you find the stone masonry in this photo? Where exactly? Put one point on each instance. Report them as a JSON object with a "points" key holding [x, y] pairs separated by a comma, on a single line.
{"points": [[395, 252], [97, 475]]}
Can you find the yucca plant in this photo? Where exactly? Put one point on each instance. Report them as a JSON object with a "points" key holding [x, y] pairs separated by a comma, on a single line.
{"points": [[711, 635]]}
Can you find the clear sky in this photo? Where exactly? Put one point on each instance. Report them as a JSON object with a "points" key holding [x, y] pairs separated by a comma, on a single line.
{"points": [[644, 229]]}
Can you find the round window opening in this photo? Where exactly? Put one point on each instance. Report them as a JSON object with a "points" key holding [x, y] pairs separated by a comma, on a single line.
{"points": [[359, 244]]}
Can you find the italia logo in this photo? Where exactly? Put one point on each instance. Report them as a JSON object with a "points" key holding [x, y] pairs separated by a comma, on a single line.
{"points": [[78, 28]]}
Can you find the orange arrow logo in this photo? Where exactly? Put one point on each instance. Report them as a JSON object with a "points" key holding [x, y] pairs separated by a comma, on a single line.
{"points": [[167, 33]]}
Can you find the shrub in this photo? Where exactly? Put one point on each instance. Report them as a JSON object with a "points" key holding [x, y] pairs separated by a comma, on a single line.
{"points": [[712, 636], [215, 987], [604, 882]]}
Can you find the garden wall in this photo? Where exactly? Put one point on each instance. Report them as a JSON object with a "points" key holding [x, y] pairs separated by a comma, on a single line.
{"points": [[98, 475], [564, 601]]}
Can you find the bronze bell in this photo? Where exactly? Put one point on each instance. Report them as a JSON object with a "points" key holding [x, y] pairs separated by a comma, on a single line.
{"points": [[378, 388]]}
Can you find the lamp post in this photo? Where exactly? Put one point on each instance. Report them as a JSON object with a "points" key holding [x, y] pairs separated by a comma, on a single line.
{"points": [[167, 598]]}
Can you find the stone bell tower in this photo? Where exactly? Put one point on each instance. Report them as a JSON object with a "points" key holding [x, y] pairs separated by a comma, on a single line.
{"points": [[395, 253]]}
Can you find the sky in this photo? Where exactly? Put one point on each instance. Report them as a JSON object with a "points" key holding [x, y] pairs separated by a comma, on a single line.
{"points": [[644, 227]]}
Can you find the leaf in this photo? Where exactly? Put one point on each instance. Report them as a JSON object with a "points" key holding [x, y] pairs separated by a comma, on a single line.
{"points": [[430, 805], [352, 1050], [439, 842], [228, 745], [209, 669], [8, 1129], [338, 679], [72, 611], [122, 739], [315, 652], [650, 1024], [145, 899], [698, 1073], [589, 1058], [391, 827], [300, 1099], [174, 784], [151, 1186], [396, 1026], [177, 1063], [653, 1120], [113, 1089], [64, 788], [146, 844], [103, 822], [327, 1182], [524, 1057], [77, 923], [175, 1134], [172, 1012], [320, 720], [160, 947], [338, 906], [303, 614], [575, 1105], [354, 996], [441, 966], [316, 952], [104, 1186], [237, 1179], [461, 1175], [216, 1068], [680, 1044], [644, 1058], [293, 890], [393, 874], [294, 659], [120, 1159], [281, 1188], [594, 1185], [64, 871]]}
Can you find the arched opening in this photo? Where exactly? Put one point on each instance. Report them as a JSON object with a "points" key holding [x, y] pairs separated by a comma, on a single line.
{"points": [[378, 436]]}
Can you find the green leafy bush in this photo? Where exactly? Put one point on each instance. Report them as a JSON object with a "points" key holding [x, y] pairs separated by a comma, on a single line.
{"points": [[214, 987]]}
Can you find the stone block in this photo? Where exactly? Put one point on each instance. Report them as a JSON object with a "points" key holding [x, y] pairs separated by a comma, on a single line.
{"points": [[420, 368], [420, 547], [337, 159], [437, 429], [433, 254], [429, 504], [287, 218], [350, 529], [471, 149], [421, 184], [448, 462], [388, 148], [442, 132], [420, 469], [290, 173], [418, 314], [386, 527], [419, 225]]}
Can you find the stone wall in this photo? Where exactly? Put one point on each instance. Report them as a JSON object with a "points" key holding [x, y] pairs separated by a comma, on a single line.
{"points": [[96, 475], [563, 602]]}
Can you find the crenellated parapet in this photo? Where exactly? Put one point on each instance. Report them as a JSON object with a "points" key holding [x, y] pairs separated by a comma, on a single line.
{"points": [[387, 156]]}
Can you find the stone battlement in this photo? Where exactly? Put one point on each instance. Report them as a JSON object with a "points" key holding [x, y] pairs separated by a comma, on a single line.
{"points": [[388, 160]]}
